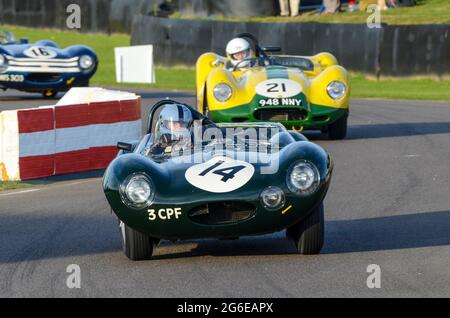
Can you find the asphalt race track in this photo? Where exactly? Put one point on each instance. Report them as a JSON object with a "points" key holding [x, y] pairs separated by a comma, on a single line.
{"points": [[388, 204]]}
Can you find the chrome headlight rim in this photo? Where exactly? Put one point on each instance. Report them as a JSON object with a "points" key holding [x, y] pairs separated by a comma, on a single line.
{"points": [[124, 187], [3, 62], [331, 90], [281, 202], [224, 97], [86, 57], [314, 185]]}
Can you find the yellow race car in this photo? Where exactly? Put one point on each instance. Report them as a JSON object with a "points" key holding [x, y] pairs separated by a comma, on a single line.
{"points": [[298, 91]]}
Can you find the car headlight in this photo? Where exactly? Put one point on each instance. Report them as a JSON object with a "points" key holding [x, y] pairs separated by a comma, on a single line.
{"points": [[272, 198], [137, 191], [222, 92], [2, 60], [86, 62], [303, 178], [336, 89]]}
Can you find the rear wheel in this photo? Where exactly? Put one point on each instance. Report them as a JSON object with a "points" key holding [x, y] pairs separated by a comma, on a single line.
{"points": [[136, 245], [338, 129], [308, 234]]}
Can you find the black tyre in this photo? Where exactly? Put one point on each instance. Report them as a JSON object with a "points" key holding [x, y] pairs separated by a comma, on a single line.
{"points": [[308, 234], [49, 93], [82, 84], [136, 245], [338, 129]]}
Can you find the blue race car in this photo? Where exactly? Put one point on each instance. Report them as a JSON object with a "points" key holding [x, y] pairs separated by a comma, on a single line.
{"points": [[43, 67]]}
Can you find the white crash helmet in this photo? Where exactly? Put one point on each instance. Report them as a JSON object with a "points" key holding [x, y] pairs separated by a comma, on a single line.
{"points": [[175, 120], [236, 46]]}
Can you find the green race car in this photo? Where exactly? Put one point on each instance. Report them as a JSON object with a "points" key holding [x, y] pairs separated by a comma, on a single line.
{"points": [[227, 181]]}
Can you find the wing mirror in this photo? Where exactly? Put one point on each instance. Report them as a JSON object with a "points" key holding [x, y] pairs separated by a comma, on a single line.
{"points": [[271, 49], [125, 146]]}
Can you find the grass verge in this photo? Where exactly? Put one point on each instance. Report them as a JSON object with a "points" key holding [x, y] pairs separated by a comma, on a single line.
{"points": [[411, 89], [11, 185]]}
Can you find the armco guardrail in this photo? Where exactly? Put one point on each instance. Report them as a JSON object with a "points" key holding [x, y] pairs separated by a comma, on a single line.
{"points": [[74, 136], [96, 15], [228, 8], [52, 13], [388, 51]]}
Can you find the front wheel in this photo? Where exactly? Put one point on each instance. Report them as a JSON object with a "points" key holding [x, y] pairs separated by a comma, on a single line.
{"points": [[308, 234], [136, 245], [338, 129]]}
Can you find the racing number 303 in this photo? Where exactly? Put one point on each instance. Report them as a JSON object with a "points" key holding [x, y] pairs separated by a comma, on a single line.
{"points": [[226, 173]]}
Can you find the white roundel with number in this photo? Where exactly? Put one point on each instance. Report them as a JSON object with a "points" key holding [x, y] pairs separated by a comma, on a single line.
{"points": [[220, 174], [278, 88], [40, 52]]}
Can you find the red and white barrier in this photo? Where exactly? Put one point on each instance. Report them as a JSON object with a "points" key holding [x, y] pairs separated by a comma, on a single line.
{"points": [[77, 134]]}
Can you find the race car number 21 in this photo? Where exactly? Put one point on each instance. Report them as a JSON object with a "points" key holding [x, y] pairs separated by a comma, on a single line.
{"points": [[278, 88], [220, 174]]}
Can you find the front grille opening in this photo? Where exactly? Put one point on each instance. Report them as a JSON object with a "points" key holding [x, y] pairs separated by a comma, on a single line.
{"points": [[222, 213], [239, 119], [320, 118], [281, 114], [43, 77]]}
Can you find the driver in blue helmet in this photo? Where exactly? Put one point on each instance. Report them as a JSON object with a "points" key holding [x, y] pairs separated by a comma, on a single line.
{"points": [[172, 129]]}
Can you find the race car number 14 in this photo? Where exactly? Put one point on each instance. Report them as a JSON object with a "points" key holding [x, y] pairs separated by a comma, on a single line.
{"points": [[220, 174]]}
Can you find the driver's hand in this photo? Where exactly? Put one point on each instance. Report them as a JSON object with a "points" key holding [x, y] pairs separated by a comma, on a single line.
{"points": [[217, 62]]}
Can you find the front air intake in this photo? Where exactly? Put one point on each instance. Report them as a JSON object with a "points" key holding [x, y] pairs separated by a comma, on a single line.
{"points": [[43, 77], [222, 213], [280, 114]]}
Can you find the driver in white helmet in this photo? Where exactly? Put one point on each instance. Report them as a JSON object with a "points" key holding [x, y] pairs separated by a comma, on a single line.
{"points": [[239, 51], [172, 129]]}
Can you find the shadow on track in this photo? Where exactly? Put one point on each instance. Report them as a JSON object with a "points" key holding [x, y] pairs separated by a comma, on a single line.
{"points": [[387, 130], [29, 237], [162, 95], [16, 96], [387, 233], [56, 237], [398, 130], [344, 236], [68, 177], [22, 96]]}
